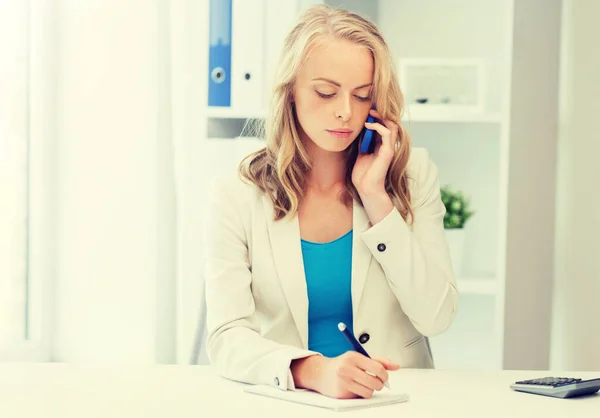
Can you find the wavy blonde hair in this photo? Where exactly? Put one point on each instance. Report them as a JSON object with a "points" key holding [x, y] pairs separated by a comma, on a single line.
{"points": [[279, 169]]}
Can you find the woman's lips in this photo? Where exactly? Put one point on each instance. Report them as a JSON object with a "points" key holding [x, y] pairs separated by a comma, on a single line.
{"points": [[340, 133]]}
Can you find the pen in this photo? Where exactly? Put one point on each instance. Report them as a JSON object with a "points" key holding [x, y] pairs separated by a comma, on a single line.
{"points": [[357, 346]]}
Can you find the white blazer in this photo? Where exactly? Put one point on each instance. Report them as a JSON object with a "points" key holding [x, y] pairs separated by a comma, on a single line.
{"points": [[257, 305]]}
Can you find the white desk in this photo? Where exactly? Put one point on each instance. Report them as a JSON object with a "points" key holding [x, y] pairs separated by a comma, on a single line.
{"points": [[73, 391]]}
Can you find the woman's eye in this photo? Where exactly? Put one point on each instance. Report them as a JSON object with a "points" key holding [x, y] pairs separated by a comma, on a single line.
{"points": [[329, 96], [325, 96]]}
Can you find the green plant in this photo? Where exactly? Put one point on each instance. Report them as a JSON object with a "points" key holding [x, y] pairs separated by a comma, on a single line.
{"points": [[457, 208]]}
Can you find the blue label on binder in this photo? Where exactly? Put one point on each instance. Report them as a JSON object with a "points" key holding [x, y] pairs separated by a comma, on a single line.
{"points": [[219, 55]]}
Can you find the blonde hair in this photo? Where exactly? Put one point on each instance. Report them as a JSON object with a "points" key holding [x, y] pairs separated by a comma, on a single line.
{"points": [[279, 169]]}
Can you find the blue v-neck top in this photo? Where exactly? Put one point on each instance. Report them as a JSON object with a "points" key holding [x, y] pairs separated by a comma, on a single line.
{"points": [[328, 271]]}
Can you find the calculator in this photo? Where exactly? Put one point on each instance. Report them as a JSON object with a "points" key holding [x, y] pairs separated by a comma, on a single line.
{"points": [[558, 387]]}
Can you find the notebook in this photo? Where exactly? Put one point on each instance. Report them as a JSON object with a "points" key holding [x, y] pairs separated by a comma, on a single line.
{"points": [[306, 397]]}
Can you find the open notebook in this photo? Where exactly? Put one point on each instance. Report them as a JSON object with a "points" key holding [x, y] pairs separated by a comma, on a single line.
{"points": [[383, 397]]}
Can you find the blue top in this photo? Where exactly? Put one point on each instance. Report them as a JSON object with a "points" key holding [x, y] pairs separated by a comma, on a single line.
{"points": [[328, 271]]}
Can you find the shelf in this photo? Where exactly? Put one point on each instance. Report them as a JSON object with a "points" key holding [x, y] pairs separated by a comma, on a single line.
{"points": [[444, 118], [481, 285], [228, 113], [420, 117]]}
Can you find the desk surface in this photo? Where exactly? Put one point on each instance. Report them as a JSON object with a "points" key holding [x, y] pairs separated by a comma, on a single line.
{"points": [[64, 390]]}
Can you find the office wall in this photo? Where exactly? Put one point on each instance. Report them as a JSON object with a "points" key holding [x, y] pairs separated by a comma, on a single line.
{"points": [[575, 328], [369, 9]]}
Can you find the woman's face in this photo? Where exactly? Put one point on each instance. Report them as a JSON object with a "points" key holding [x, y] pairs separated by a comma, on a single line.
{"points": [[332, 94]]}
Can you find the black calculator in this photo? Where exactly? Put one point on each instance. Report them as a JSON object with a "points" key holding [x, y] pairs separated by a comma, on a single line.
{"points": [[558, 387]]}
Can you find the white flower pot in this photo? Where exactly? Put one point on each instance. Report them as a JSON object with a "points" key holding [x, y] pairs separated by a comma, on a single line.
{"points": [[456, 244]]}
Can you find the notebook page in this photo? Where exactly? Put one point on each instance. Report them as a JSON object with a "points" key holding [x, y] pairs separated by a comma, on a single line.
{"points": [[380, 398]]}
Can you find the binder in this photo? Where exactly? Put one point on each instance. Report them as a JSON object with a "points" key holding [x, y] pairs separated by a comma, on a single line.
{"points": [[236, 54], [247, 55], [219, 56]]}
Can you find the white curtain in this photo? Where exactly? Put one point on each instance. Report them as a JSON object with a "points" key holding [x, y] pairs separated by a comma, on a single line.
{"points": [[14, 68], [189, 92]]}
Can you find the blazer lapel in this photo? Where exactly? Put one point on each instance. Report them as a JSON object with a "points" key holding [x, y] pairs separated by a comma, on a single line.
{"points": [[361, 255], [287, 255]]}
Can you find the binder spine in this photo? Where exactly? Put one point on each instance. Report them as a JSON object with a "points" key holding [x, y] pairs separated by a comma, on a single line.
{"points": [[219, 56]]}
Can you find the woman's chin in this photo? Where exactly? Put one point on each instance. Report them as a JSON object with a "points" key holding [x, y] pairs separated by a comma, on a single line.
{"points": [[337, 146], [328, 144]]}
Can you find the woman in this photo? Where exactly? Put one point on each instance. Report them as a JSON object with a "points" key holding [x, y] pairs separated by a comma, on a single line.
{"points": [[312, 233]]}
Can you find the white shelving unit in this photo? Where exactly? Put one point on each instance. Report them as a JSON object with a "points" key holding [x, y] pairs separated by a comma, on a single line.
{"points": [[471, 154], [471, 151]]}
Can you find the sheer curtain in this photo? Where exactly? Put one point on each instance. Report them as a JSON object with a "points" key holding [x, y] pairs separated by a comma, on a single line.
{"points": [[189, 93], [14, 68], [26, 178], [149, 308]]}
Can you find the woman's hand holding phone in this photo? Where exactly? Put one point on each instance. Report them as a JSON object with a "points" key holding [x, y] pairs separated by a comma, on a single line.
{"points": [[370, 170]]}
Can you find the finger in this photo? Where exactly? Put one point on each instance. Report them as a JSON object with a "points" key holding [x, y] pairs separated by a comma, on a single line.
{"points": [[352, 371], [367, 380], [387, 363], [383, 144], [358, 389], [391, 125], [356, 361], [372, 366], [384, 133]]}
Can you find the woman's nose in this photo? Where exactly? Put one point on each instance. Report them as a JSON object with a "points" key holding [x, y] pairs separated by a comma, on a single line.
{"points": [[344, 110]]}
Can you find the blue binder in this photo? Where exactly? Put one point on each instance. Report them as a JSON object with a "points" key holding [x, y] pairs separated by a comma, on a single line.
{"points": [[219, 56]]}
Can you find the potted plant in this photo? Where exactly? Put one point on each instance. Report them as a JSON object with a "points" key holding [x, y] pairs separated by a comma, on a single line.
{"points": [[457, 214]]}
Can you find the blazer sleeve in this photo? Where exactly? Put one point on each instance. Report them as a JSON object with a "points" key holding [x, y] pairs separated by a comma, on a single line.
{"points": [[416, 262], [234, 344]]}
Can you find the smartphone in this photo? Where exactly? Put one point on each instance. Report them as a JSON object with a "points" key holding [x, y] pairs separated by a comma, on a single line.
{"points": [[366, 144]]}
